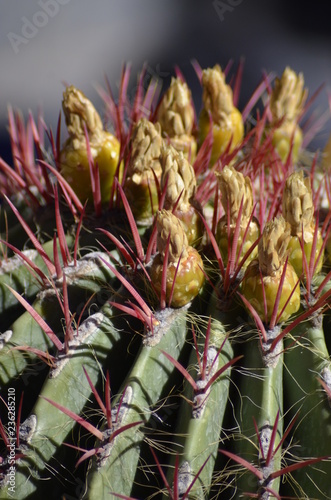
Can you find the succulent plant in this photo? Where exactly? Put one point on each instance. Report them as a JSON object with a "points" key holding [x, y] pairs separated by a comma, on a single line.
{"points": [[165, 295]]}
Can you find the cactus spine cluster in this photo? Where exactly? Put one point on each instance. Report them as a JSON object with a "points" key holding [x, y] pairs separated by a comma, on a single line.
{"points": [[165, 293]]}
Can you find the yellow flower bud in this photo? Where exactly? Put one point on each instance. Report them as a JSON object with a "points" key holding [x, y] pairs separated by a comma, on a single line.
{"points": [[176, 117], [184, 273], [286, 104], [178, 180], [262, 279], [236, 189], [105, 148], [227, 121], [144, 166], [298, 210]]}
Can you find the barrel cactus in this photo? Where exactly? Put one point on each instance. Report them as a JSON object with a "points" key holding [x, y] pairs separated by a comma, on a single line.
{"points": [[165, 295]]}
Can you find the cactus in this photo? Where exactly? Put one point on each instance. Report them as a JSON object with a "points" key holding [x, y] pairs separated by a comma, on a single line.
{"points": [[164, 297]]}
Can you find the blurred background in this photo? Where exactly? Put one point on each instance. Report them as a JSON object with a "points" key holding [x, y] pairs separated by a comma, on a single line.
{"points": [[44, 43]]}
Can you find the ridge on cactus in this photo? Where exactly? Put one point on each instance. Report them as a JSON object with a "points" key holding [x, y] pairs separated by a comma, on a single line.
{"points": [[182, 257]]}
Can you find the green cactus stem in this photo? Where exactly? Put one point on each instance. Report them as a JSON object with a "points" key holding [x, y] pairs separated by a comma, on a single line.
{"points": [[201, 414], [15, 273], [261, 402], [49, 427], [115, 469], [83, 280], [307, 365]]}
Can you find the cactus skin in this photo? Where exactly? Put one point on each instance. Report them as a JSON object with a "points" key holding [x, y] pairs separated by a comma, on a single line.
{"points": [[201, 414], [147, 379], [313, 405], [266, 394], [52, 427], [121, 291]]}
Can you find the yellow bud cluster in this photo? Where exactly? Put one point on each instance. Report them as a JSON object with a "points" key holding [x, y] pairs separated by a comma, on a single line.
{"points": [[272, 248], [184, 272], [298, 208], [79, 114], [176, 117], [236, 189], [175, 112], [144, 168]]}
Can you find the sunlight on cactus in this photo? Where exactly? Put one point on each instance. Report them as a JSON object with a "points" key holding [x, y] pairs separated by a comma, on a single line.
{"points": [[181, 256]]}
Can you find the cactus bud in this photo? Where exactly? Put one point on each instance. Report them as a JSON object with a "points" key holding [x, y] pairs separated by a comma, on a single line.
{"points": [[263, 275], [286, 103], [168, 225], [273, 246], [144, 167], [288, 96], [184, 273], [298, 210], [178, 180], [227, 120], [176, 117], [80, 114], [236, 189]]}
